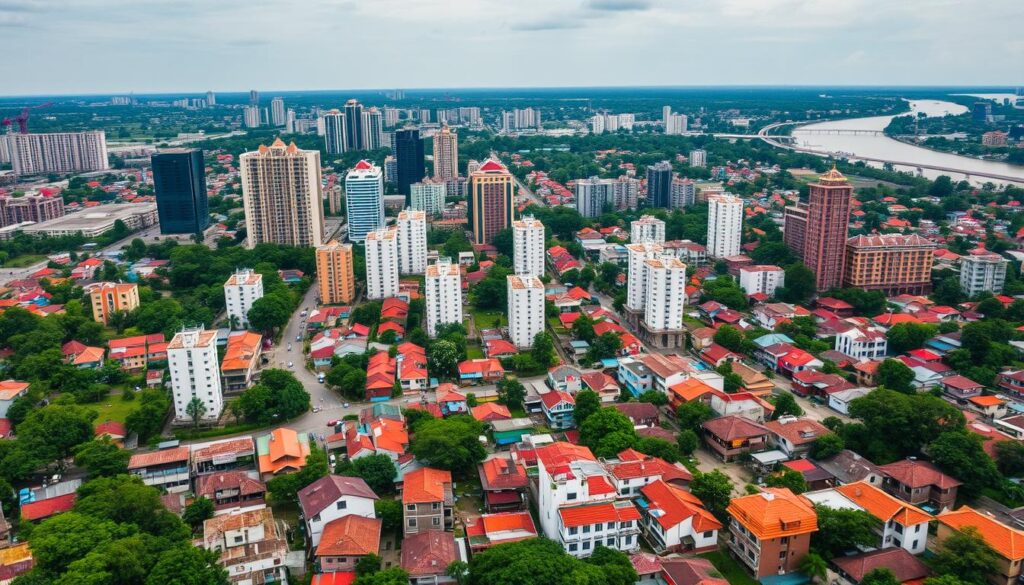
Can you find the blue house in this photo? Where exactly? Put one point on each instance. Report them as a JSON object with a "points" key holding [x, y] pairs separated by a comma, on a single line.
{"points": [[559, 408]]}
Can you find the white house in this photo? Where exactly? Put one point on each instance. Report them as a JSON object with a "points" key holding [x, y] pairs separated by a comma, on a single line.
{"points": [[675, 520], [900, 524], [761, 278], [840, 401], [862, 343], [332, 497], [242, 289]]}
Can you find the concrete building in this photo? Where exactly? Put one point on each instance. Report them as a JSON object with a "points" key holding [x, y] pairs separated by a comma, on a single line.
{"points": [[592, 195], [698, 158], [179, 181], [281, 195], [58, 152], [364, 200], [335, 132], [409, 158], [491, 199], [725, 225], [659, 184], [528, 246], [892, 263], [446, 154], [525, 309], [761, 279], [428, 196], [31, 207], [982, 271], [625, 193], [331, 497], [96, 221], [821, 228], [771, 531], [381, 264], [647, 229], [335, 273], [665, 299], [251, 117], [195, 373], [636, 273], [354, 125], [684, 193], [443, 296], [249, 546], [277, 111], [242, 289], [412, 242], [372, 129], [110, 297]]}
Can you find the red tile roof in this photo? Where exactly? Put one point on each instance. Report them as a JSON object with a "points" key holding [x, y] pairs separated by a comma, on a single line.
{"points": [[350, 535], [48, 507], [428, 553], [425, 485], [918, 474], [595, 513]]}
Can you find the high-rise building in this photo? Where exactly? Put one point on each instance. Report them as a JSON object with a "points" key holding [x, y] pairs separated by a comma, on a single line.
{"points": [[528, 246], [525, 309], [625, 193], [195, 375], [982, 271], [179, 181], [446, 154], [281, 195], [335, 196], [211, 98], [277, 111], [698, 158], [520, 119], [390, 170], [373, 129], [636, 273], [108, 298], [665, 293], [412, 242], [289, 121], [491, 198], [761, 279], [364, 200], [58, 152], [647, 229], [443, 298], [794, 233], [592, 195], [409, 156], [428, 195], [381, 264], [684, 193], [470, 115], [390, 117], [335, 273], [893, 263], [34, 207], [242, 289], [822, 229], [725, 225], [254, 97], [354, 127], [251, 117], [659, 184], [673, 123], [424, 116]]}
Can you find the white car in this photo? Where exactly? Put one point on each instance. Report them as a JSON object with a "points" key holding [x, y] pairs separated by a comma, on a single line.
{"points": [[298, 338], [290, 364]]}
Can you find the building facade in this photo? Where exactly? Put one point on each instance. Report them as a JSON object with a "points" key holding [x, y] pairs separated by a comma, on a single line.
{"points": [[761, 279], [665, 294], [242, 289], [195, 374], [446, 154], [381, 264], [525, 309], [179, 181], [354, 125], [491, 199], [110, 297], [982, 271], [647, 229], [364, 200], [659, 184], [277, 111], [372, 129], [443, 296], [58, 152], [698, 158], [412, 242], [528, 246], [684, 193], [428, 196], [592, 195], [636, 273], [281, 193], [893, 263], [335, 273], [725, 225], [32, 207], [824, 231], [335, 132], [409, 155]]}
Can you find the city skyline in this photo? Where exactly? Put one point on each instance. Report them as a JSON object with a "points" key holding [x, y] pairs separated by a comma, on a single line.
{"points": [[194, 45]]}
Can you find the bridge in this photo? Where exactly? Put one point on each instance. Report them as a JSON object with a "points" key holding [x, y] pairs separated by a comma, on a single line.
{"points": [[841, 131]]}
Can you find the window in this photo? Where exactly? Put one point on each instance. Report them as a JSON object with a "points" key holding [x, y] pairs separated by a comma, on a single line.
{"points": [[709, 534], [586, 545], [611, 526], [436, 521], [238, 539], [573, 547], [412, 523], [435, 505], [570, 496], [410, 507], [316, 518], [782, 556], [586, 529], [611, 542], [573, 530]]}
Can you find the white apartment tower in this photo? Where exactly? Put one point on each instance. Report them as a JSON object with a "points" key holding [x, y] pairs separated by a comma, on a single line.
{"points": [[251, 116], [428, 195], [592, 194], [665, 294], [364, 200], [335, 131], [443, 285], [373, 129], [698, 158], [57, 152], [277, 111], [982, 271], [636, 273], [446, 154], [195, 373], [412, 242], [281, 194], [725, 225], [381, 264], [525, 309], [241, 290], [528, 246], [683, 193], [647, 229]]}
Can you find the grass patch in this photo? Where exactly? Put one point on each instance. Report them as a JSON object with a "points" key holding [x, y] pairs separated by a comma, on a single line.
{"points": [[113, 408], [556, 326], [733, 572], [487, 319], [24, 260], [474, 352], [190, 434]]}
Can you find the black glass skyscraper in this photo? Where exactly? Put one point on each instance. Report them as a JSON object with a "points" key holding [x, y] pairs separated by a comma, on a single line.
{"points": [[354, 125], [409, 152], [659, 184], [179, 179]]}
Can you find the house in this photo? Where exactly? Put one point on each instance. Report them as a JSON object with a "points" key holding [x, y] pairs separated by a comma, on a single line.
{"points": [[743, 404], [491, 411], [840, 400], [862, 343], [44, 508], [330, 498], [680, 571], [771, 354], [674, 520], [11, 390], [504, 484], [426, 556], [643, 414], [480, 370], [770, 532], [817, 383], [689, 390], [345, 541], [840, 308], [558, 407], [730, 436], [89, 358], [1011, 382], [666, 370], [165, 468], [231, 489], [451, 401], [960, 388], [250, 547], [900, 524], [281, 451], [605, 386], [702, 337], [565, 378], [849, 467], [223, 455], [113, 430], [411, 368], [511, 431], [500, 348], [501, 528], [798, 360], [816, 477], [240, 366], [864, 372], [1012, 426], [380, 377], [1008, 542], [634, 470], [907, 568], [794, 436], [919, 483], [427, 500], [988, 406], [754, 381], [716, 355]]}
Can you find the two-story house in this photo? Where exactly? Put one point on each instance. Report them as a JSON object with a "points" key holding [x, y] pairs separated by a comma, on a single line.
{"points": [[332, 497], [426, 556], [1008, 542], [504, 484], [252, 551], [451, 401], [742, 404], [794, 436], [633, 470], [770, 532], [731, 436], [920, 483], [862, 343], [960, 388], [427, 500], [900, 524], [559, 408], [231, 489], [674, 520], [345, 541]]}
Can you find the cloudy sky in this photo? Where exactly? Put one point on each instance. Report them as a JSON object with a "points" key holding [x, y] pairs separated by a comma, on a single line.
{"points": [[95, 46]]}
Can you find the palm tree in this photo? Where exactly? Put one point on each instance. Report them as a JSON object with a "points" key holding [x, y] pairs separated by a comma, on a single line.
{"points": [[814, 566], [195, 409], [459, 571]]}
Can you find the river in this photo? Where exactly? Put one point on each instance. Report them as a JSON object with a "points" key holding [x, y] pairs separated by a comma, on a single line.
{"points": [[883, 147]]}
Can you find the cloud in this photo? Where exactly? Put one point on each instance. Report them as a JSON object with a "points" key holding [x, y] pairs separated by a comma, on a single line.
{"points": [[546, 24], [618, 5]]}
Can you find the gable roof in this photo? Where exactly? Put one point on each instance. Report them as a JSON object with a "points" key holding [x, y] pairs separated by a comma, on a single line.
{"points": [[670, 505], [905, 566], [320, 494], [732, 427], [881, 505], [350, 535], [918, 474], [425, 485], [428, 553]]}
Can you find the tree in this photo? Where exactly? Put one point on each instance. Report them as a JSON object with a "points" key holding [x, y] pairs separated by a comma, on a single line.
{"points": [[800, 284], [378, 471], [188, 565], [389, 511], [906, 336], [444, 358], [1010, 458], [730, 338], [63, 539], [280, 396], [687, 441], [126, 500], [368, 565], [101, 458], [393, 576], [615, 565], [965, 555], [653, 397], [790, 479], [543, 351], [714, 489], [607, 432], [587, 403], [667, 450], [451, 443], [195, 409], [147, 420], [458, 570], [785, 404], [880, 576], [691, 415], [944, 580], [961, 455], [842, 529], [197, 512], [606, 345], [895, 375], [814, 566], [895, 425], [991, 308], [511, 392], [583, 328], [52, 432], [826, 446], [269, 312], [531, 562]]}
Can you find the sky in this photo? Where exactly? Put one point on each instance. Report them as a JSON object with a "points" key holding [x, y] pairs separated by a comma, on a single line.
{"points": [[147, 46]]}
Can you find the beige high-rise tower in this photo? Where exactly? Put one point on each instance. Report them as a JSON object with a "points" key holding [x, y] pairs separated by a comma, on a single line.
{"points": [[335, 273], [282, 196], [446, 154]]}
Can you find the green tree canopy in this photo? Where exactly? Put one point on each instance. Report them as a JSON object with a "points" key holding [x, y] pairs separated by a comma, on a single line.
{"points": [[450, 443]]}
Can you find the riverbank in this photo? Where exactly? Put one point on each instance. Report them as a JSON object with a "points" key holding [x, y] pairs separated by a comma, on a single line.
{"points": [[904, 140]]}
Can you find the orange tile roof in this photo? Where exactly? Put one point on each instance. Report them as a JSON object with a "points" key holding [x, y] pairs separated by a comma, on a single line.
{"points": [[563, 453], [677, 505], [598, 485], [242, 350], [690, 389], [491, 411], [1008, 542], [774, 513], [285, 450], [9, 389], [505, 521], [425, 485], [881, 505], [163, 457], [350, 535], [595, 513]]}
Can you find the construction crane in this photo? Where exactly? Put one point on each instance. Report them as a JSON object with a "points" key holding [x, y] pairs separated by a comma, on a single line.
{"points": [[22, 118]]}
